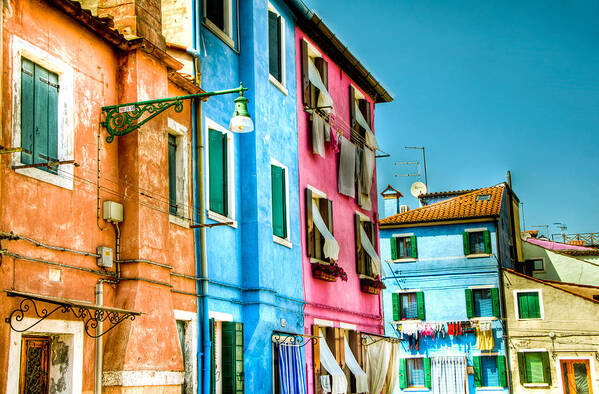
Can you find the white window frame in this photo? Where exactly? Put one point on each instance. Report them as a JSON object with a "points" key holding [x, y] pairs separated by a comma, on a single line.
{"points": [[217, 217], [281, 85], [182, 173], [65, 110], [225, 35], [191, 343], [49, 327], [517, 308], [283, 241], [592, 368]]}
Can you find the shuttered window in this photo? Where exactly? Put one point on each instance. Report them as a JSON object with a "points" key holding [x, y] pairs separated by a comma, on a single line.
{"points": [[218, 172], [310, 92], [489, 371], [39, 115], [315, 240], [364, 263], [529, 306], [482, 302], [404, 247], [477, 242], [275, 66], [534, 367], [358, 133], [408, 306], [414, 373], [232, 361], [172, 174], [279, 201]]}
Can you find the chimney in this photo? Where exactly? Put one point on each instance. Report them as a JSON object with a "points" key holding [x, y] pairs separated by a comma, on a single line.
{"points": [[391, 198], [139, 18]]}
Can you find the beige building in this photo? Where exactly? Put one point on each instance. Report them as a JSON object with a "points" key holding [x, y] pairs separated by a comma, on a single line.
{"points": [[553, 335]]}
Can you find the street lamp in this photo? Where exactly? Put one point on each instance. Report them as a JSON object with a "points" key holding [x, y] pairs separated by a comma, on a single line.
{"points": [[241, 122]]}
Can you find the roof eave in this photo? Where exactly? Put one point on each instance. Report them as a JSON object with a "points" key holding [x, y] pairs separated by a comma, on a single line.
{"points": [[438, 222]]}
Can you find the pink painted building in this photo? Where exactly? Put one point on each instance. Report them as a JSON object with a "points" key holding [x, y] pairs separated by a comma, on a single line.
{"points": [[338, 206]]}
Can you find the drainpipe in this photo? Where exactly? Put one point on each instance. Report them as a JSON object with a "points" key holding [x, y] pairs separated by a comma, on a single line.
{"points": [[99, 343], [508, 369]]}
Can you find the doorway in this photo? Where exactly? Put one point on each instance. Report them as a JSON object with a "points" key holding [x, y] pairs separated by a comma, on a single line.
{"points": [[576, 375]]}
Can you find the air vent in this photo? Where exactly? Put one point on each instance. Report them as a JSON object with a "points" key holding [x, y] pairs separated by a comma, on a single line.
{"points": [[483, 197]]}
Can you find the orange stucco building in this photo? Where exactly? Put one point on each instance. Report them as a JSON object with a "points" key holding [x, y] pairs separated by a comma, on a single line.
{"points": [[60, 66]]}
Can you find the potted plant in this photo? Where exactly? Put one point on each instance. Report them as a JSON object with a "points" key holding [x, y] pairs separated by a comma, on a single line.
{"points": [[328, 272], [372, 286]]}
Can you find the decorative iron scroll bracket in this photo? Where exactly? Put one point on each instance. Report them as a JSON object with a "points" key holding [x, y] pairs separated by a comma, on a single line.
{"points": [[122, 119], [89, 314], [367, 339], [298, 340]]}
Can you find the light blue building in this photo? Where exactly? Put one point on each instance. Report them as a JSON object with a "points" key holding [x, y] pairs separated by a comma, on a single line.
{"points": [[443, 296]]}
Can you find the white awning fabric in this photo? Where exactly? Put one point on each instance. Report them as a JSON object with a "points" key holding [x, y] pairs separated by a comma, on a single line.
{"points": [[331, 246], [324, 98], [329, 363], [365, 241], [370, 139], [354, 367]]}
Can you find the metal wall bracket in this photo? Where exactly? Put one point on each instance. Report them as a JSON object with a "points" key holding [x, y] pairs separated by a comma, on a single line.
{"points": [[90, 314], [299, 340]]}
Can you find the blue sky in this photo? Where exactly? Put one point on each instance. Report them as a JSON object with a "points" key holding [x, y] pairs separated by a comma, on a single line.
{"points": [[486, 86]]}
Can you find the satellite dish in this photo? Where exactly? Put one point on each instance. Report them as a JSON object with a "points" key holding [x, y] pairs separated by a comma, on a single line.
{"points": [[417, 189]]}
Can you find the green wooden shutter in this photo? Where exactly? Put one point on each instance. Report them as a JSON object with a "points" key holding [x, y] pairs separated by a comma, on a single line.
{"points": [[522, 367], [212, 357], [466, 239], [403, 376], [274, 45], [487, 238], [27, 110], [217, 167], [53, 118], [232, 358], [414, 247], [501, 371], [546, 368], [393, 243], [427, 372], [396, 307], [495, 302], [534, 306], [172, 174], [40, 139], [469, 303], [279, 210], [478, 378], [420, 305]]}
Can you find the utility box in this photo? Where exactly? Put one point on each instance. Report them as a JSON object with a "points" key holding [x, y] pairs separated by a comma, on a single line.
{"points": [[112, 212], [105, 257]]}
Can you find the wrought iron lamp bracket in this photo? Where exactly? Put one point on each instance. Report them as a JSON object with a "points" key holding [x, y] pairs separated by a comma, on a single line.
{"points": [[293, 339], [122, 119]]}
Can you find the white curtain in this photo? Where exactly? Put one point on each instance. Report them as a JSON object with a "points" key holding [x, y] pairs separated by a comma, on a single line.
{"points": [[393, 371], [329, 363], [324, 98], [365, 241], [331, 246], [370, 140], [354, 367], [448, 375], [378, 356]]}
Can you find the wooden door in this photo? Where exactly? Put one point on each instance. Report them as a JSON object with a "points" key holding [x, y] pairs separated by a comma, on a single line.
{"points": [[576, 377], [35, 365]]}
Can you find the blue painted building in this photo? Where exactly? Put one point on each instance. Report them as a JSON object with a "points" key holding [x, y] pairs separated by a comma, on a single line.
{"points": [[443, 295]]}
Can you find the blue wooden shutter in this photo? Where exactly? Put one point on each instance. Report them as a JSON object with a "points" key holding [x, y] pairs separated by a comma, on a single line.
{"points": [[279, 208], [469, 303], [501, 371], [420, 305], [487, 238], [217, 167], [495, 302], [274, 45], [466, 240], [403, 376], [172, 174], [414, 247], [27, 110]]}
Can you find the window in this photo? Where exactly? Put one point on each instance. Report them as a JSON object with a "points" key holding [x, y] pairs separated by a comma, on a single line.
{"points": [[414, 373], [534, 367], [535, 265], [489, 371], [276, 47], [477, 242], [576, 376], [315, 239], [529, 306], [220, 182], [218, 17], [186, 329], [333, 341], [172, 174], [315, 78], [279, 201], [408, 306], [366, 263], [35, 365], [226, 367], [360, 117], [482, 302], [404, 247], [178, 173]]}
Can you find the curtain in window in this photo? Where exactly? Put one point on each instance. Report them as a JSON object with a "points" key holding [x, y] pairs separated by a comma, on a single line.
{"points": [[378, 356], [354, 367], [448, 375], [365, 241], [331, 247], [393, 370], [324, 98], [329, 363], [291, 369], [370, 139]]}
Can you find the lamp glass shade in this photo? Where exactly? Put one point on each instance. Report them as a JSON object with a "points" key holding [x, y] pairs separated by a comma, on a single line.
{"points": [[241, 124]]}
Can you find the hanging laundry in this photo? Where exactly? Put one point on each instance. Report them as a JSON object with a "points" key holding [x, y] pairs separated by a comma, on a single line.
{"points": [[318, 134], [347, 162], [484, 336]]}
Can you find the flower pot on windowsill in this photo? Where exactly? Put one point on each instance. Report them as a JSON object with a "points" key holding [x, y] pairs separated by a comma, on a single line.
{"points": [[370, 289], [318, 274]]}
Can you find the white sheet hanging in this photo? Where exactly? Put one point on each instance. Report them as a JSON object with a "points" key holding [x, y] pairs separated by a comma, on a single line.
{"points": [[448, 375], [331, 246], [365, 241], [324, 98], [370, 139], [329, 363], [354, 367], [393, 371], [378, 356]]}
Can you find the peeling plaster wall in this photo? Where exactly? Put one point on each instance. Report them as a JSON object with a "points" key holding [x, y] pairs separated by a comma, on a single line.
{"points": [[60, 364]]}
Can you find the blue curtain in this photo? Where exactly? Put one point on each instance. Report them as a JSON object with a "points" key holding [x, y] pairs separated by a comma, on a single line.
{"points": [[291, 370]]}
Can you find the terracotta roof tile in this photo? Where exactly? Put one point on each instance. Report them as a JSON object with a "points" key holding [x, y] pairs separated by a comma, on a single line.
{"points": [[460, 207]]}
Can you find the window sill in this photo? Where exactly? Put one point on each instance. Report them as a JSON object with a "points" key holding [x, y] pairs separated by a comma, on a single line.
{"points": [[179, 221], [317, 261], [538, 385], [362, 276], [416, 389], [278, 84], [224, 37], [65, 182], [217, 217], [408, 321], [282, 241], [478, 255], [404, 260], [483, 319], [490, 388], [529, 319]]}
